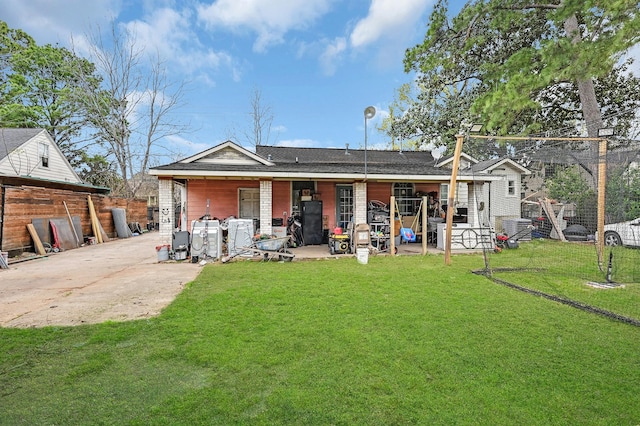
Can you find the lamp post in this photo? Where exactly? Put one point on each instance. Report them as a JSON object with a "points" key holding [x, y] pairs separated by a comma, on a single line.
{"points": [[369, 113]]}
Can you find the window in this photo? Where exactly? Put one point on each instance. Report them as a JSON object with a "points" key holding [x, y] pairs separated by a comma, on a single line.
{"points": [[344, 205], [249, 207], [511, 188], [444, 193], [404, 192], [43, 153]]}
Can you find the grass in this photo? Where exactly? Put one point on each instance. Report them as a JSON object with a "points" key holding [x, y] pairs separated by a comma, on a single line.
{"points": [[397, 341], [564, 269]]}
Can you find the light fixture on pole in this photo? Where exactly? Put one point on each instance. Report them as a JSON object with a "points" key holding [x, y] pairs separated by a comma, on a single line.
{"points": [[369, 113], [605, 132], [475, 128]]}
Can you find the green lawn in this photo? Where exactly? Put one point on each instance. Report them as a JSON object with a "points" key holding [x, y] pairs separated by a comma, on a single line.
{"points": [[402, 340]]}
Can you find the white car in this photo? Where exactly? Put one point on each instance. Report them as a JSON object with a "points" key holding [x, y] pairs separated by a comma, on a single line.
{"points": [[623, 233]]}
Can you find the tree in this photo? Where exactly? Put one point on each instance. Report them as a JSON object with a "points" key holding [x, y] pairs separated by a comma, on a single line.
{"points": [[131, 111], [398, 113], [258, 132], [509, 65], [569, 186], [623, 194], [38, 90]]}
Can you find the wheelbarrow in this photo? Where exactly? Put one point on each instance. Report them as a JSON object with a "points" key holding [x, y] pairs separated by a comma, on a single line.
{"points": [[270, 248]]}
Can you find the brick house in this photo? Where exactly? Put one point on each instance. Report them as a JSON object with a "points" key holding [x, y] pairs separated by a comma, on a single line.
{"points": [[270, 184]]}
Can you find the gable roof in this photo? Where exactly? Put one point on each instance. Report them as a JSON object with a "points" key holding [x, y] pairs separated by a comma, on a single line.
{"points": [[226, 153], [487, 166], [231, 160], [449, 159], [11, 139]]}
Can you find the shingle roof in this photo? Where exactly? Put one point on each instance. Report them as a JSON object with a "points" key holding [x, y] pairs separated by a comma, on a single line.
{"points": [[11, 139], [325, 160]]}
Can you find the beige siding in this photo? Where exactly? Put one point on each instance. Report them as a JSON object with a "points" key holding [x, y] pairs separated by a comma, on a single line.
{"points": [[26, 161]]}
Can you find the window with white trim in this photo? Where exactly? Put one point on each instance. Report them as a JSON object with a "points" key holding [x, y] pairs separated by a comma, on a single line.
{"points": [[403, 191], [511, 188], [43, 154]]}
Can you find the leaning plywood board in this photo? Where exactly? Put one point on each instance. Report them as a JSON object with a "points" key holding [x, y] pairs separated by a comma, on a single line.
{"points": [[66, 237], [548, 209], [41, 226], [36, 240]]}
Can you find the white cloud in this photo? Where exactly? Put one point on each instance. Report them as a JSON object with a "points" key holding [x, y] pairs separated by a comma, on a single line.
{"points": [[181, 144], [50, 22], [169, 33], [332, 54], [388, 18], [270, 21]]}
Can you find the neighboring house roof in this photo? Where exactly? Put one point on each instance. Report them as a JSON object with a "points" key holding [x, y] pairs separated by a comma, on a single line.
{"points": [[229, 159], [12, 139], [19, 156], [449, 159], [488, 166]]}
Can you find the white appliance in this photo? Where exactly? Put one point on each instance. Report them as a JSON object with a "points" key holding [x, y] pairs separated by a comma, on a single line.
{"points": [[206, 239], [239, 234]]}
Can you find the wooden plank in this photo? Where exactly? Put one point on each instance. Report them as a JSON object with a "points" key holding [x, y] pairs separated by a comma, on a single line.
{"points": [[95, 224], [548, 208], [36, 240], [71, 223]]}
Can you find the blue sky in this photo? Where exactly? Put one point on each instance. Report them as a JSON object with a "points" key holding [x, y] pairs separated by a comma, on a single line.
{"points": [[316, 63]]}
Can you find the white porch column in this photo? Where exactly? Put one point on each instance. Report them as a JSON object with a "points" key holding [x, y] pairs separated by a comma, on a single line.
{"points": [[360, 200], [266, 207], [476, 200], [165, 205]]}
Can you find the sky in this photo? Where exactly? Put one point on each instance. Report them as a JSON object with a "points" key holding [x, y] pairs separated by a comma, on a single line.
{"points": [[317, 64]]}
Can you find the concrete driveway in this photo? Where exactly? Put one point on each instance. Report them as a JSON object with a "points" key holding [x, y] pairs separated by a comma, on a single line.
{"points": [[118, 280]]}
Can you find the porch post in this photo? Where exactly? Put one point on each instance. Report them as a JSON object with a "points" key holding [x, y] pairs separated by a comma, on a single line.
{"points": [[266, 207], [475, 197], [167, 212], [360, 201]]}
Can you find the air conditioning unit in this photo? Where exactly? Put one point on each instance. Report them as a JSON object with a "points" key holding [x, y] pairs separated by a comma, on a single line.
{"points": [[206, 239], [520, 228]]}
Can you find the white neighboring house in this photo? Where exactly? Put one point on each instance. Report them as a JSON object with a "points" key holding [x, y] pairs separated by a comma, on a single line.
{"points": [[501, 197], [33, 153], [504, 195]]}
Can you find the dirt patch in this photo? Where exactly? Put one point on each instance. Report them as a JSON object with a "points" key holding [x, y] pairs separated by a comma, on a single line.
{"points": [[119, 280]]}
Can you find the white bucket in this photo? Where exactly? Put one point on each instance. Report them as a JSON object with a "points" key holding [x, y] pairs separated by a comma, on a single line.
{"points": [[362, 255], [163, 253]]}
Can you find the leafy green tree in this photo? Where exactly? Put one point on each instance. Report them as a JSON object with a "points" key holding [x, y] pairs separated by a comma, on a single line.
{"points": [[511, 64], [97, 170], [39, 91], [623, 194], [570, 186]]}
